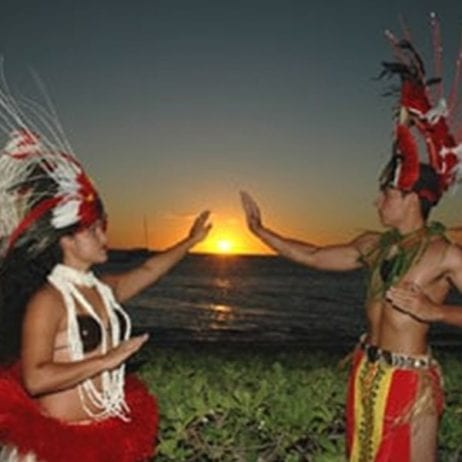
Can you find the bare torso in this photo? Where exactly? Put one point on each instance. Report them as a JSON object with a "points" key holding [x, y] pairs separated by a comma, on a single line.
{"points": [[394, 330], [66, 404]]}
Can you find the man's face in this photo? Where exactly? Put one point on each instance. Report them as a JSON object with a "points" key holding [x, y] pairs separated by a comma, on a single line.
{"points": [[391, 205]]}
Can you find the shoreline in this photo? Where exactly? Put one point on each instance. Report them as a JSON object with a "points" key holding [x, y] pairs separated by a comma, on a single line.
{"points": [[241, 348], [180, 338]]}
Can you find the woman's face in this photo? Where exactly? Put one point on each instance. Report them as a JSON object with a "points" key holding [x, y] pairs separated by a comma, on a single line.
{"points": [[86, 247]]}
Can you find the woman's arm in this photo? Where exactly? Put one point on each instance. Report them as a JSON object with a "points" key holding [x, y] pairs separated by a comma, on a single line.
{"points": [[127, 285], [44, 316]]}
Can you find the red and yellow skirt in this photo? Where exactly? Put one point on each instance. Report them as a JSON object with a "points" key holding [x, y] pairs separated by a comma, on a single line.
{"points": [[24, 427], [382, 402]]}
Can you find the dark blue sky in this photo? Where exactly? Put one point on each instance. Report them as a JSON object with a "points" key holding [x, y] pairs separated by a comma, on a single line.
{"points": [[176, 105]]}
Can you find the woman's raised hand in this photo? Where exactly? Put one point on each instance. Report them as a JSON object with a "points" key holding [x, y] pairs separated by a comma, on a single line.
{"points": [[200, 228]]}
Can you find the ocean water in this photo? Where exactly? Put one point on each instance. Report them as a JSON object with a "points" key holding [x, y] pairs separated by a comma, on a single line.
{"points": [[251, 301]]}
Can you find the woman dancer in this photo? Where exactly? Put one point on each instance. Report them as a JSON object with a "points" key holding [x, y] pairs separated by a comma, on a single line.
{"points": [[64, 336]]}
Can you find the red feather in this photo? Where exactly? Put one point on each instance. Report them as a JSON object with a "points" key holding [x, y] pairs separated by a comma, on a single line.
{"points": [[23, 425], [414, 96], [409, 171]]}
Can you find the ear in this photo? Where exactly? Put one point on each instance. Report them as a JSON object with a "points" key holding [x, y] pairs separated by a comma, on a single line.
{"points": [[413, 200], [66, 242]]}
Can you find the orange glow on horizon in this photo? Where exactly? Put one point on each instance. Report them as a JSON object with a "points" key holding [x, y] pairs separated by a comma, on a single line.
{"points": [[229, 236], [221, 242]]}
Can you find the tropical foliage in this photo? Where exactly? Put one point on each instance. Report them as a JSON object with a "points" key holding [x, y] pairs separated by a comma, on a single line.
{"points": [[241, 405]]}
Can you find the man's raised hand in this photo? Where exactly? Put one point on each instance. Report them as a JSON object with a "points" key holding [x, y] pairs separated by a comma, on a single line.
{"points": [[252, 212]]}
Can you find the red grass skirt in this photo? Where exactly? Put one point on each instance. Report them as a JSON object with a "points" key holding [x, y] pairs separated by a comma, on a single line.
{"points": [[23, 426]]}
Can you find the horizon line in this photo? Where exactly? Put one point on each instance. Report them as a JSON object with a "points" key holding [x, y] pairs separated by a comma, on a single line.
{"points": [[203, 253]]}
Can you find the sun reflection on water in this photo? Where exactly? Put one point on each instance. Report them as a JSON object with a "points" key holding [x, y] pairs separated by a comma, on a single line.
{"points": [[222, 283], [221, 316]]}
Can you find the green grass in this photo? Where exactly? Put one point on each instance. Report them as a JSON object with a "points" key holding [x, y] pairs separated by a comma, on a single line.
{"points": [[222, 406]]}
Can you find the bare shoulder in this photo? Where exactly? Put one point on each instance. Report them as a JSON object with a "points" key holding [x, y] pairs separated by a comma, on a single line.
{"points": [[47, 294], [449, 253], [47, 303], [366, 242], [455, 235], [443, 256], [45, 316]]}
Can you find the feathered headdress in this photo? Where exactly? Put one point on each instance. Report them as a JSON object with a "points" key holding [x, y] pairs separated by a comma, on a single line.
{"points": [[423, 114], [42, 184]]}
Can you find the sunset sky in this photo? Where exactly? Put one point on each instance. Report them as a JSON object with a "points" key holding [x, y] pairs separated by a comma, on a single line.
{"points": [[176, 105]]}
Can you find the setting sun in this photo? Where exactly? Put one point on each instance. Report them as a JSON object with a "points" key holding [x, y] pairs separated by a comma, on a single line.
{"points": [[229, 236], [224, 246]]}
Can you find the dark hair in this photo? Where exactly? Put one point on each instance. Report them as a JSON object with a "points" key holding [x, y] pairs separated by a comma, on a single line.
{"points": [[28, 263], [428, 189], [22, 274], [425, 207]]}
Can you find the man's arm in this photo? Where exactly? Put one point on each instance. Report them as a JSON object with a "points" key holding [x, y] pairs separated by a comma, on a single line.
{"points": [[334, 257], [130, 283], [411, 299]]}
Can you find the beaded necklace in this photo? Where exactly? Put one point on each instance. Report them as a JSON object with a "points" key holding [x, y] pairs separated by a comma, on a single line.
{"points": [[398, 252], [109, 397]]}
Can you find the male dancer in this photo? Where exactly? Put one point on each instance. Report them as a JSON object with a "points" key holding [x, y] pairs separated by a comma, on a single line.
{"points": [[394, 391]]}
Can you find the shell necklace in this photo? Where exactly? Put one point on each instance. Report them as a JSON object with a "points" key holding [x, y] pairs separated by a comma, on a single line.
{"points": [[109, 397]]}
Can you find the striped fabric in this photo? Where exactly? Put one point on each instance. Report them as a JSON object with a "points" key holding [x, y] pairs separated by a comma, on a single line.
{"points": [[382, 401]]}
